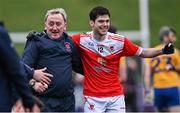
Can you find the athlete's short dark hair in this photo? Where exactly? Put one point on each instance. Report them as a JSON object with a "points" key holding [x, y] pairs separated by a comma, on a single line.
{"points": [[164, 31], [97, 11]]}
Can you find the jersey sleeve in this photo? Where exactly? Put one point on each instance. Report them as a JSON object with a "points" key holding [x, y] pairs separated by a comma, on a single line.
{"points": [[76, 39], [30, 57], [76, 60], [131, 49]]}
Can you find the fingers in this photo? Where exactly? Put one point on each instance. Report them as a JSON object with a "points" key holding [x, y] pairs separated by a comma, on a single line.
{"points": [[48, 74], [44, 69], [45, 85], [45, 79], [170, 45], [39, 87], [42, 76], [168, 49]]}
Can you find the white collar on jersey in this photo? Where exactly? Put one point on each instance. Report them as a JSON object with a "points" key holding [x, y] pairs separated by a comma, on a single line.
{"points": [[92, 34]]}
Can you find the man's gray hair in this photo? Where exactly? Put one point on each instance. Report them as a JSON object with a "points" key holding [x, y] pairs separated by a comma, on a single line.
{"points": [[56, 11]]}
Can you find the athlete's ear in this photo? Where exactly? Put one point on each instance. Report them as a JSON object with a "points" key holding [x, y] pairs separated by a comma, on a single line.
{"points": [[91, 23]]}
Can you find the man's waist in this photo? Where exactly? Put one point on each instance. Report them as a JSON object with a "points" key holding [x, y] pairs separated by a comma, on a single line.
{"points": [[52, 95], [166, 85], [103, 94], [109, 93], [57, 91]]}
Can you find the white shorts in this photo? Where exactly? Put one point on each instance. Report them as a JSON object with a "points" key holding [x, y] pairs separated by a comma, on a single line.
{"points": [[115, 104]]}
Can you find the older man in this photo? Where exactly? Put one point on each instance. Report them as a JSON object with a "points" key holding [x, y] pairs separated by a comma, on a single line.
{"points": [[55, 50]]}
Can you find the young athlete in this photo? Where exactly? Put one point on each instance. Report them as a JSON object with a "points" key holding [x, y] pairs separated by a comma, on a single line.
{"points": [[100, 52]]}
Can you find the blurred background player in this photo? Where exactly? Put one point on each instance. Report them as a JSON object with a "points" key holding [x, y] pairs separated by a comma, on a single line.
{"points": [[12, 76], [131, 85], [165, 71]]}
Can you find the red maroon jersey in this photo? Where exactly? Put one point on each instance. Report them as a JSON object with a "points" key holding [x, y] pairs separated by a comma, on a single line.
{"points": [[101, 62]]}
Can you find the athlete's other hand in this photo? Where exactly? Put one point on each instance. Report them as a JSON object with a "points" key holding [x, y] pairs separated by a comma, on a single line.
{"points": [[40, 87]]}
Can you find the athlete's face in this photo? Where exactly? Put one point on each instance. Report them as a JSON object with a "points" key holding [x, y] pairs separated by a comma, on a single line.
{"points": [[171, 38], [100, 25], [55, 25]]}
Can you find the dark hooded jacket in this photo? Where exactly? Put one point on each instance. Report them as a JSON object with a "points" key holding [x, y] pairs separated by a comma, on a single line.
{"points": [[60, 56]]}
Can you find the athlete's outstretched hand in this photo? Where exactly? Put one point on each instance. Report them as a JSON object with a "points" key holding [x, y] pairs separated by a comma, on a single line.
{"points": [[168, 49]]}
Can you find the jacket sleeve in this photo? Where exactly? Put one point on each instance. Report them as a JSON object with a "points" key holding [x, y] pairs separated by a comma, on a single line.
{"points": [[76, 60], [13, 71], [29, 57], [28, 70]]}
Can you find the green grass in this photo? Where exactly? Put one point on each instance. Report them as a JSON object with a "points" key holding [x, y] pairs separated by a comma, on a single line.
{"points": [[25, 15], [164, 12], [19, 48]]}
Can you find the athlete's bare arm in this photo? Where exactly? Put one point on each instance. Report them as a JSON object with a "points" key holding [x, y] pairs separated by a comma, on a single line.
{"points": [[151, 52]]}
